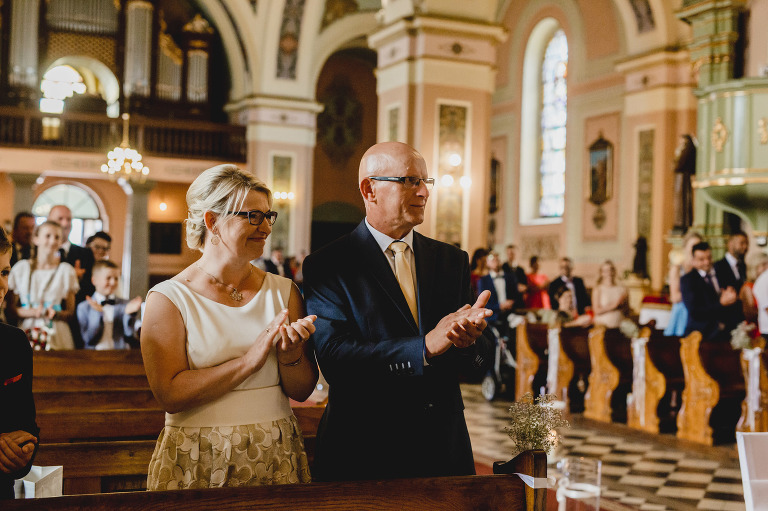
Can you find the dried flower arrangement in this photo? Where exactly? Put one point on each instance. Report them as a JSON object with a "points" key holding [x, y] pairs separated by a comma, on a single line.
{"points": [[533, 423]]}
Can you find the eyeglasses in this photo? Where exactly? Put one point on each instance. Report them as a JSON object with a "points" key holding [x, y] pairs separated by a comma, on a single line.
{"points": [[255, 217], [407, 181]]}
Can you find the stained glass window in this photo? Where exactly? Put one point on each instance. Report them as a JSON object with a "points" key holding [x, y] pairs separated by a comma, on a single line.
{"points": [[554, 95]]}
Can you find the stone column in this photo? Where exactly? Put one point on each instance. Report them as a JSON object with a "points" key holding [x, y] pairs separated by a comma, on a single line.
{"points": [[136, 251], [435, 80], [23, 191], [281, 142]]}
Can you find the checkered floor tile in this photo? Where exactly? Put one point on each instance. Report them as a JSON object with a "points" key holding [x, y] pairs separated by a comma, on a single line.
{"points": [[643, 471]]}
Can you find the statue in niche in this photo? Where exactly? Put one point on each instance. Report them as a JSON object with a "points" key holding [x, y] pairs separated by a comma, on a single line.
{"points": [[640, 263], [685, 167]]}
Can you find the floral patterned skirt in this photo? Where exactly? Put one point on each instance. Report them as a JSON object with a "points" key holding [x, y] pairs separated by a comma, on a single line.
{"points": [[222, 456]]}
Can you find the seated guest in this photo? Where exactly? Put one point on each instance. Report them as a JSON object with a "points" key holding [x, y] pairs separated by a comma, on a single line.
{"points": [[515, 269], [747, 294], [278, 265], [23, 230], [478, 267], [760, 293], [537, 296], [224, 347], [100, 244], [713, 310], [680, 263], [731, 270], [18, 430], [567, 314], [575, 284], [44, 291], [505, 296], [609, 299], [107, 322]]}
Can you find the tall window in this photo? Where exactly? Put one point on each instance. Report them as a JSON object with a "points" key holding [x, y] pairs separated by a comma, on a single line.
{"points": [[554, 96]]}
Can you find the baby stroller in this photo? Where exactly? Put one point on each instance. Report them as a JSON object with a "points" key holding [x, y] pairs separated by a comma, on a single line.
{"points": [[501, 375]]}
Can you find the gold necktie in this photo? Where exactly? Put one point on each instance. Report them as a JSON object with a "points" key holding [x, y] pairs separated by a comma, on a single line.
{"points": [[405, 277]]}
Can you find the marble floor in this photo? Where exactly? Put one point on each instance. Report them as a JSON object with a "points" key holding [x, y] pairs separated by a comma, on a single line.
{"points": [[640, 470]]}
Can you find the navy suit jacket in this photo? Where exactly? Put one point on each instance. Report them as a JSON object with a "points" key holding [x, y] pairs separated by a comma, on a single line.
{"points": [[510, 284], [388, 415], [726, 277], [705, 313], [91, 324], [582, 298]]}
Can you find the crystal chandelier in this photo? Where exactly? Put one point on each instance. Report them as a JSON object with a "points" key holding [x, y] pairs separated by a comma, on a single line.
{"points": [[123, 161]]}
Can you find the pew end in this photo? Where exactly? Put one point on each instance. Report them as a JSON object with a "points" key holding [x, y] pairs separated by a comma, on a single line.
{"points": [[502, 491]]}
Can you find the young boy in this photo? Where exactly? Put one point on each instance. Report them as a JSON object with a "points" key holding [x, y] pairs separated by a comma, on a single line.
{"points": [[106, 322]]}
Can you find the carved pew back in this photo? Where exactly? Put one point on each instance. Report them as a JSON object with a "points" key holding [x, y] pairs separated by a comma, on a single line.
{"points": [[714, 390], [504, 491], [754, 409], [610, 379], [574, 342], [531, 358]]}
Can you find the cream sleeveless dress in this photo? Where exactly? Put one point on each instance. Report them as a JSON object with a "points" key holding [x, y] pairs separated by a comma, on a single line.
{"points": [[247, 437]]}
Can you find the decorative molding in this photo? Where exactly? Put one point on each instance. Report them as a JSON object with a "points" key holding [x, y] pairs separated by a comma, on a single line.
{"points": [[719, 135]]}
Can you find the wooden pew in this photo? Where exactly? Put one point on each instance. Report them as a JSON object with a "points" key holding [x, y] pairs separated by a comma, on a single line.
{"points": [[714, 390], [99, 419], [502, 491], [758, 422], [574, 343], [663, 383], [531, 359], [610, 379]]}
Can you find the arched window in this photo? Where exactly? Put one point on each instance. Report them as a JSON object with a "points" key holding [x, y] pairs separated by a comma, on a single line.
{"points": [[543, 115], [554, 96], [86, 218], [59, 83]]}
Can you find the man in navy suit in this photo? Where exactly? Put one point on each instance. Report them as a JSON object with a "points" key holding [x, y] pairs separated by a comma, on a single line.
{"points": [[731, 270], [394, 328], [505, 294], [713, 310], [575, 284]]}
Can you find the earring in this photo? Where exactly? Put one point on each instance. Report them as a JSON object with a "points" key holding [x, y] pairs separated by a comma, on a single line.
{"points": [[215, 239]]}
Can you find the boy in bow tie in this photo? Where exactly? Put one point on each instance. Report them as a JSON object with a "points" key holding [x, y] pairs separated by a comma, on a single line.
{"points": [[107, 322]]}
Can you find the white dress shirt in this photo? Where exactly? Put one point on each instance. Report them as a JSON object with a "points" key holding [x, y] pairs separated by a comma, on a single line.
{"points": [[107, 342]]}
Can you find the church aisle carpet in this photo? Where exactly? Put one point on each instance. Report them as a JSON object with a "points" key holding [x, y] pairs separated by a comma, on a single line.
{"points": [[640, 470]]}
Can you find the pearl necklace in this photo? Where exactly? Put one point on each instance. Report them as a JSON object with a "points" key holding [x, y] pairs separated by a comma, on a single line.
{"points": [[235, 294]]}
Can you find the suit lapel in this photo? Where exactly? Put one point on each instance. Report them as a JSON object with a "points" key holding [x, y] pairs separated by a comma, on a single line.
{"points": [[378, 267], [425, 275]]}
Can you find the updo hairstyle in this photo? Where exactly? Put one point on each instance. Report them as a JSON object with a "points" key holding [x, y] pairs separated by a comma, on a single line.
{"points": [[219, 189]]}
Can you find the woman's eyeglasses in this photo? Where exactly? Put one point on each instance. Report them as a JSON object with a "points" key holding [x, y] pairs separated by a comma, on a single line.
{"points": [[255, 217]]}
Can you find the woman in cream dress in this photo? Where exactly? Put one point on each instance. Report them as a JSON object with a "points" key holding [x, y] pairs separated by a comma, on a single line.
{"points": [[224, 347], [609, 300]]}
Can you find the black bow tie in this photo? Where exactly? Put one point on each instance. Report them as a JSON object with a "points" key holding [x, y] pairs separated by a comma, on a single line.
{"points": [[108, 301]]}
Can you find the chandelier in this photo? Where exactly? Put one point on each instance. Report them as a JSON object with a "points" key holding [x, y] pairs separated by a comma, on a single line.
{"points": [[123, 161]]}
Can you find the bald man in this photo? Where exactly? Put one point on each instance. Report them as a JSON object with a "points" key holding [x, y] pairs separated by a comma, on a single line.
{"points": [[395, 325]]}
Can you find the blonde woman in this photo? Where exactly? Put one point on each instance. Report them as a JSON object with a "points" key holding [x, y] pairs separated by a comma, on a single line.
{"points": [[225, 346], [680, 263], [609, 299]]}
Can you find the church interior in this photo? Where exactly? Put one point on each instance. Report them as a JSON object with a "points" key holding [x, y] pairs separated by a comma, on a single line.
{"points": [[589, 129]]}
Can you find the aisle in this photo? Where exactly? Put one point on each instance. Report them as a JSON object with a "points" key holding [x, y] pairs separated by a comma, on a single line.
{"points": [[648, 472]]}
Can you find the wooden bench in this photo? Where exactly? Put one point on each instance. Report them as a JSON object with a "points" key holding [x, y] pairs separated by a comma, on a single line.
{"points": [[574, 342], [756, 419], [531, 357], [714, 391], [610, 378], [99, 419], [660, 385], [502, 491]]}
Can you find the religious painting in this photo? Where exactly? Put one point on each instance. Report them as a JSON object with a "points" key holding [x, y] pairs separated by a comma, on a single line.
{"points": [[601, 171]]}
